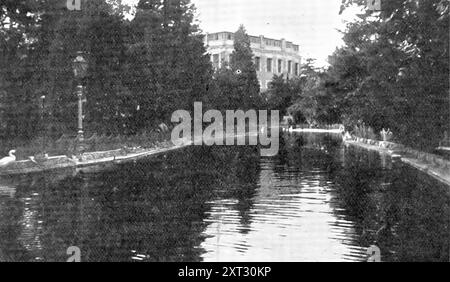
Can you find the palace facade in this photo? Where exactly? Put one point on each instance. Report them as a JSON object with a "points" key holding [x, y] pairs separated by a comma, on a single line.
{"points": [[271, 56]]}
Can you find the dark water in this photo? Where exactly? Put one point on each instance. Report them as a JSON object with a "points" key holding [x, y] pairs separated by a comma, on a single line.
{"points": [[316, 201]]}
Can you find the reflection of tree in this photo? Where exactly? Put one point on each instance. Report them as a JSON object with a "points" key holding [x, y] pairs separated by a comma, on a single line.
{"points": [[246, 186], [60, 210], [419, 215], [154, 208], [307, 152], [10, 214], [401, 211], [238, 179], [362, 183]]}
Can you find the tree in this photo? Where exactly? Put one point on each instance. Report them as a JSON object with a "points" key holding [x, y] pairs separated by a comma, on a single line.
{"points": [[235, 85], [167, 66], [19, 107], [140, 71], [46, 39], [241, 63], [309, 89], [280, 94], [393, 70], [109, 100], [225, 92], [304, 97]]}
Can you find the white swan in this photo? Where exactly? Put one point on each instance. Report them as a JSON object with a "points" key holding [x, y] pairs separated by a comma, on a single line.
{"points": [[8, 160]]}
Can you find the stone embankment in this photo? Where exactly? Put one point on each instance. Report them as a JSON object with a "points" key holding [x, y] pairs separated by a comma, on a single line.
{"points": [[433, 165], [87, 160]]}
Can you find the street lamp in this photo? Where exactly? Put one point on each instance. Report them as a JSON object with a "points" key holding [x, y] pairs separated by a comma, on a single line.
{"points": [[80, 67]]}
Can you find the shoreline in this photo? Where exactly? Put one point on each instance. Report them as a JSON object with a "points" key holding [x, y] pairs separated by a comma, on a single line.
{"points": [[433, 165], [87, 161], [94, 161]]}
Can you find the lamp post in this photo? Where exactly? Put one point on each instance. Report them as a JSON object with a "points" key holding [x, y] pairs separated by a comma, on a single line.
{"points": [[80, 66]]}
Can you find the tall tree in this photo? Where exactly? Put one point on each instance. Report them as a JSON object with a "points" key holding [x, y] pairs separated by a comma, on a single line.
{"points": [[280, 94], [241, 63], [393, 70], [168, 66], [48, 37], [19, 107]]}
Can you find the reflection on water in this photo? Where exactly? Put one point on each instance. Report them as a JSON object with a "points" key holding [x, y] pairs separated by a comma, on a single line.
{"points": [[316, 201]]}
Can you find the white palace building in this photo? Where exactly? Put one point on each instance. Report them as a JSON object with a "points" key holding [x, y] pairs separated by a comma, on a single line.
{"points": [[271, 56]]}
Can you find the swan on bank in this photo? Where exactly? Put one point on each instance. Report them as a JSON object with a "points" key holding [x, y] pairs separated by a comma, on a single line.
{"points": [[9, 159]]}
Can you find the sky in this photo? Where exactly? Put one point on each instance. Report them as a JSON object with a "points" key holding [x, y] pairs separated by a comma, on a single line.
{"points": [[312, 24]]}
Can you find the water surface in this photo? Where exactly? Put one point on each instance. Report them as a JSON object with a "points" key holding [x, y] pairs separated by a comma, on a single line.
{"points": [[318, 200]]}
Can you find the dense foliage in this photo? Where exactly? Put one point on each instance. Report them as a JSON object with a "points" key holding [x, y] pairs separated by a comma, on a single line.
{"points": [[140, 69], [392, 72], [306, 98]]}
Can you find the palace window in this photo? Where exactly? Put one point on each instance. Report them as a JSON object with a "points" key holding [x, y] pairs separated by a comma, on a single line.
{"points": [[296, 68], [280, 66], [258, 63], [289, 67], [214, 36], [269, 65], [254, 39]]}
